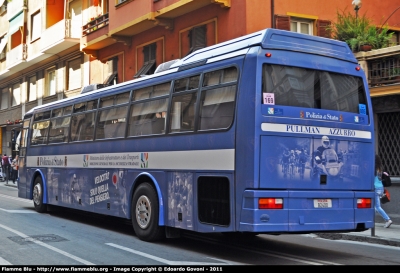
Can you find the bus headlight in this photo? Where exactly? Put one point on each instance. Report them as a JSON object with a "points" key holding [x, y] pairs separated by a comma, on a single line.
{"points": [[333, 171]]}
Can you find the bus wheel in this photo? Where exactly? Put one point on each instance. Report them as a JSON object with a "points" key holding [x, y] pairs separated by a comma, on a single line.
{"points": [[145, 213], [38, 195]]}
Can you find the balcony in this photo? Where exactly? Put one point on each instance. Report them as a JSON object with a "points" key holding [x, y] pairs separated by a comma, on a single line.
{"points": [[384, 72], [16, 57], [382, 67], [60, 36], [95, 24], [130, 18]]}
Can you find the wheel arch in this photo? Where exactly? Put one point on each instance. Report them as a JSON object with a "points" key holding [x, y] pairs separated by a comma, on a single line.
{"points": [[147, 177], [38, 173]]}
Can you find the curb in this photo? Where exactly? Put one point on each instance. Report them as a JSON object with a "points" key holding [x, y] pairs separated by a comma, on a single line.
{"points": [[360, 238]]}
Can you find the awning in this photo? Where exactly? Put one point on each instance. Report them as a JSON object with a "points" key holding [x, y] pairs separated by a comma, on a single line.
{"points": [[3, 42], [15, 23]]}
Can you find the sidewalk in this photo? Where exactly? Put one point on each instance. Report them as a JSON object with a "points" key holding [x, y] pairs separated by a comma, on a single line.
{"points": [[383, 236], [9, 183]]}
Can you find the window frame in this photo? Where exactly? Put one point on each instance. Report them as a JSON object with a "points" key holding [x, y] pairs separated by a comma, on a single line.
{"points": [[194, 37], [47, 92], [39, 31], [149, 56], [300, 21]]}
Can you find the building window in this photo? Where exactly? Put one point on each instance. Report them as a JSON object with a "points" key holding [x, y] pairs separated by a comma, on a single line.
{"points": [[111, 71], [36, 26], [3, 43], [149, 64], [301, 26], [197, 38], [32, 89], [16, 95], [50, 82], [4, 98], [74, 74], [395, 40]]}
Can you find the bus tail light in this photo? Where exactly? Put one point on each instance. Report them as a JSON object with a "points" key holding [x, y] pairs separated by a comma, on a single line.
{"points": [[270, 203], [364, 203]]}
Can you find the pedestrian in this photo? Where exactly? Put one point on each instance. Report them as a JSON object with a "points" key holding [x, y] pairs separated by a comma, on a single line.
{"points": [[14, 169], [379, 190], [6, 163]]}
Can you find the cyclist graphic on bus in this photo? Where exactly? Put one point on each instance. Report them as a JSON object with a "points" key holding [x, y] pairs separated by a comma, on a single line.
{"points": [[327, 157]]}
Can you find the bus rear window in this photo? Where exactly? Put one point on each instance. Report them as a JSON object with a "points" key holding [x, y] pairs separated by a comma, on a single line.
{"points": [[308, 88]]}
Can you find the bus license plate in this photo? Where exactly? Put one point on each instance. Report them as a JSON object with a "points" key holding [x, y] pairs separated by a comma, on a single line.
{"points": [[322, 203]]}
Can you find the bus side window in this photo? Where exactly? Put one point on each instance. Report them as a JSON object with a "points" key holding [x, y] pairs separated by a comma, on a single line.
{"points": [[111, 123], [82, 127], [148, 118], [182, 112], [58, 131], [39, 132], [217, 107]]}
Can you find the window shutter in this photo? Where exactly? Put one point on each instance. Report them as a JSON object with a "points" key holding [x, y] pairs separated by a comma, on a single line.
{"points": [[74, 74], [282, 22], [152, 52], [197, 38], [32, 89], [4, 98], [16, 96], [146, 53], [322, 28], [149, 65]]}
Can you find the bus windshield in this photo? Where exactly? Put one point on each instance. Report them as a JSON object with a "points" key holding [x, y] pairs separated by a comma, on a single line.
{"points": [[309, 88]]}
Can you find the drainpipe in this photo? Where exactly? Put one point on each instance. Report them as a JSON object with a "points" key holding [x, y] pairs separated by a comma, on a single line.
{"points": [[272, 14]]}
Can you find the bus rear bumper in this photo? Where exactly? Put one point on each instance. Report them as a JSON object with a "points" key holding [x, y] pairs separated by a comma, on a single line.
{"points": [[300, 215]]}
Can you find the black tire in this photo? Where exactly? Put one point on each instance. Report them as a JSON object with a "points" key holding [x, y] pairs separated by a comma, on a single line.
{"points": [[37, 195], [145, 212]]}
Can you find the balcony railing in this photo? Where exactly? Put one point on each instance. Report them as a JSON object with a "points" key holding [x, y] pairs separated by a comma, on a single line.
{"points": [[16, 55], [95, 24], [384, 71]]}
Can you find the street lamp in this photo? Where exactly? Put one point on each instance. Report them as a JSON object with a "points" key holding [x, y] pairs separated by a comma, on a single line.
{"points": [[356, 5]]}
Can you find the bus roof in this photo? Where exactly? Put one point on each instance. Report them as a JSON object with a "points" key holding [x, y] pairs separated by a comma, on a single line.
{"points": [[274, 39], [268, 39]]}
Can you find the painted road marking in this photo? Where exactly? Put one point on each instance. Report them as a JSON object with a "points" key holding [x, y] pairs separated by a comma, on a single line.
{"points": [[28, 238]]}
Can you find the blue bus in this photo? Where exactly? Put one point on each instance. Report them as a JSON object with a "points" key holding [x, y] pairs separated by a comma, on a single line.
{"points": [[269, 133]]}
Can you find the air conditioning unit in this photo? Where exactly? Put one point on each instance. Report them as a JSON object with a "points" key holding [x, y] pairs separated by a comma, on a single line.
{"points": [[92, 87]]}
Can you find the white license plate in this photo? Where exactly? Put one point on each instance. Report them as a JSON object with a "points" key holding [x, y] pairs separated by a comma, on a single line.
{"points": [[322, 203]]}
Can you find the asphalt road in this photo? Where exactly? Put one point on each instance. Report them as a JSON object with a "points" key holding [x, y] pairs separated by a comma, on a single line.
{"points": [[65, 238]]}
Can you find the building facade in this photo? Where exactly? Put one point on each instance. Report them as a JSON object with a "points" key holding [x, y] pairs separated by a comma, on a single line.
{"points": [[51, 49]]}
